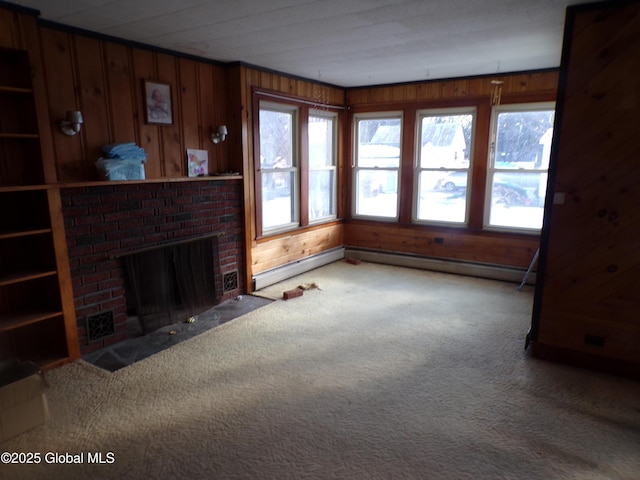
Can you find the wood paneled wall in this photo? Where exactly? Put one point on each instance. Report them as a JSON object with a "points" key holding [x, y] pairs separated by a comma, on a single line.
{"points": [[267, 253], [527, 86], [586, 307], [466, 244], [104, 79]]}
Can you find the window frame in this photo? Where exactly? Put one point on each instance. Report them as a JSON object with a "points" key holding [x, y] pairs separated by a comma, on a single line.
{"points": [[355, 168], [282, 107], [275, 101], [418, 169], [491, 168], [314, 112]]}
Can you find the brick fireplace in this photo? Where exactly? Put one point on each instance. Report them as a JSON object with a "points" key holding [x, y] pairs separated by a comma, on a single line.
{"points": [[107, 221]]}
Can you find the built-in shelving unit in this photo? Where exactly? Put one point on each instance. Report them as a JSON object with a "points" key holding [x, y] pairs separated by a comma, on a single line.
{"points": [[33, 326]]}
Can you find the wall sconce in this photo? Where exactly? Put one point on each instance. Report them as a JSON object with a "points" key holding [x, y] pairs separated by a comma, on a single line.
{"points": [[71, 123], [219, 135]]}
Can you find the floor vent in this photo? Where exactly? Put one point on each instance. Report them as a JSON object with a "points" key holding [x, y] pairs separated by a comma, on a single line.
{"points": [[230, 281], [100, 325]]}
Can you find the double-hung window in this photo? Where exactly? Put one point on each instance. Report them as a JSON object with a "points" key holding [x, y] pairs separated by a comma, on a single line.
{"points": [[296, 175], [444, 140], [519, 160], [377, 165], [322, 129], [279, 160]]}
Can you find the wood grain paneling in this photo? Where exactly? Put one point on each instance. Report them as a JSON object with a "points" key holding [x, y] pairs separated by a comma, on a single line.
{"points": [[590, 256], [105, 79], [539, 83], [267, 254], [457, 244], [282, 250], [11, 35]]}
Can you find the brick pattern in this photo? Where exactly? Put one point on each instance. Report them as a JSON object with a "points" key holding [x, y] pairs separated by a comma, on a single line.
{"points": [[104, 221]]}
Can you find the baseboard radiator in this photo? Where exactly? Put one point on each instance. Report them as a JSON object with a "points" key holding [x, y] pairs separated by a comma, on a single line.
{"points": [[269, 277], [494, 272]]}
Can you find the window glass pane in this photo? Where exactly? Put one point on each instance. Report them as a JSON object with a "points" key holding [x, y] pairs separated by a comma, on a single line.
{"points": [[443, 195], [523, 139], [321, 194], [377, 193], [276, 139], [445, 141], [277, 199], [321, 144], [518, 174], [379, 142], [517, 199]]}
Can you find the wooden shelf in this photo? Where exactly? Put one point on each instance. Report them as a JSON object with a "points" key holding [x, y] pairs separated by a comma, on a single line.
{"points": [[37, 317], [10, 89], [23, 233], [25, 318], [19, 277]]}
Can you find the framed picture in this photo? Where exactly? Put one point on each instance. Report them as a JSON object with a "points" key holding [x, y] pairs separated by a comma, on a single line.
{"points": [[158, 102], [198, 162]]}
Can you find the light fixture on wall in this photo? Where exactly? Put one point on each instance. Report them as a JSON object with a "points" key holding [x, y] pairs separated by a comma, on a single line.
{"points": [[71, 123], [219, 134]]}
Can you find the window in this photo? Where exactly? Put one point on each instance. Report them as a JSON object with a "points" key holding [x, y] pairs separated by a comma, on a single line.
{"points": [[518, 165], [278, 166], [443, 161], [322, 128], [376, 165], [296, 178]]}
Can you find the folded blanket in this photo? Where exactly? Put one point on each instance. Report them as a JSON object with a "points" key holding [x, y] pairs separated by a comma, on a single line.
{"points": [[128, 151]]}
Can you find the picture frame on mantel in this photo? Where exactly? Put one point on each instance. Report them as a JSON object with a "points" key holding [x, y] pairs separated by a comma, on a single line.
{"points": [[158, 106]]}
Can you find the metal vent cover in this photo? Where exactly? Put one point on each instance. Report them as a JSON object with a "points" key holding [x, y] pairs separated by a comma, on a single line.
{"points": [[230, 281], [100, 325]]}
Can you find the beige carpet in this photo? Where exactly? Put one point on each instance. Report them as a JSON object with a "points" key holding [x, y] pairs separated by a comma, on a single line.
{"points": [[384, 373]]}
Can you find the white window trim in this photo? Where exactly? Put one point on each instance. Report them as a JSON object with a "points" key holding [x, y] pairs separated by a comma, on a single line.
{"points": [[515, 107], [418, 169], [355, 168], [295, 161]]}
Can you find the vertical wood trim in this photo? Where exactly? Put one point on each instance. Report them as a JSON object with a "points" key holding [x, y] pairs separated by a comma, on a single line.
{"points": [[407, 165], [255, 128], [64, 273], [481, 143], [303, 166]]}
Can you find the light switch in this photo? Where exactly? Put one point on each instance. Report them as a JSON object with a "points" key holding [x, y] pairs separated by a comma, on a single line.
{"points": [[558, 198]]}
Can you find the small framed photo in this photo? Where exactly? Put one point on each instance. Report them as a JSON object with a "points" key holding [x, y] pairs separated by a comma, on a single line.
{"points": [[198, 162], [158, 102]]}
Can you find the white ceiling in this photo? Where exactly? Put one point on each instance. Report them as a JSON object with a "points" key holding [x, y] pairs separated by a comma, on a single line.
{"points": [[342, 42]]}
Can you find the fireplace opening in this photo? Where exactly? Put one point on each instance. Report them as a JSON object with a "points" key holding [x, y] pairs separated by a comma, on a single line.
{"points": [[172, 282]]}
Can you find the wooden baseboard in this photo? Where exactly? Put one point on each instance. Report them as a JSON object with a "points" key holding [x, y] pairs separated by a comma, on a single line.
{"points": [[598, 363]]}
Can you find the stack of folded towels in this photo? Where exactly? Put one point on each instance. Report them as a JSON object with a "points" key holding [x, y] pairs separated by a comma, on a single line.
{"points": [[122, 161], [125, 151]]}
